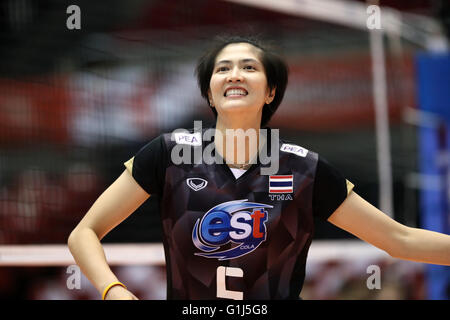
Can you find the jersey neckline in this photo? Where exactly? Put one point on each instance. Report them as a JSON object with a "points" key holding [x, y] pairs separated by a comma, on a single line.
{"points": [[227, 170]]}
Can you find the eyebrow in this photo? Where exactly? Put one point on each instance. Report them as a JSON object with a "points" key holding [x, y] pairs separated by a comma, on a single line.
{"points": [[243, 60]]}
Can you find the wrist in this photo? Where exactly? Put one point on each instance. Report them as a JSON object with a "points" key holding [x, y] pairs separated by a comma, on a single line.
{"points": [[111, 285]]}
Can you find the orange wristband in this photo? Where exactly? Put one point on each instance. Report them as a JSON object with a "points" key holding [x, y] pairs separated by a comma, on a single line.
{"points": [[112, 284]]}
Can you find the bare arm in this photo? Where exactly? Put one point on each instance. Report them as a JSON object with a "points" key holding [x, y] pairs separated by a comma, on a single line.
{"points": [[113, 206], [365, 221]]}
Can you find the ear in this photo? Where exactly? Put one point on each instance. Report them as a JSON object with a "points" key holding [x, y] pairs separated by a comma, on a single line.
{"points": [[210, 100], [271, 96]]}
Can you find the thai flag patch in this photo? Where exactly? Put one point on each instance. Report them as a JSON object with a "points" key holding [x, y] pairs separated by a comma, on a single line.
{"points": [[281, 184]]}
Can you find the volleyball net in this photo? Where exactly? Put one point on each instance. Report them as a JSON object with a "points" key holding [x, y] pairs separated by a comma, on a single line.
{"points": [[338, 269], [76, 104]]}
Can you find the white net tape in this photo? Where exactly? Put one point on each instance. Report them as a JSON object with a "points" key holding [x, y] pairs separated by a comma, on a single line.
{"points": [[153, 254]]}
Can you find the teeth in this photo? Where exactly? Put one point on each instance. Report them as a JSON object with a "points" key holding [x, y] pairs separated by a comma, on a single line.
{"points": [[236, 92]]}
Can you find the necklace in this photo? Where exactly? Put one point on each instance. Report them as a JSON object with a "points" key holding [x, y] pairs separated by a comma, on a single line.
{"points": [[244, 166]]}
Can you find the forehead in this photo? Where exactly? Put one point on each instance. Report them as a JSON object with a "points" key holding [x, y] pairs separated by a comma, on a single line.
{"points": [[239, 51]]}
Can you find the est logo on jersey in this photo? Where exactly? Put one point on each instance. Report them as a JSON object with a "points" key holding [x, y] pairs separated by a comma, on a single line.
{"points": [[238, 222]]}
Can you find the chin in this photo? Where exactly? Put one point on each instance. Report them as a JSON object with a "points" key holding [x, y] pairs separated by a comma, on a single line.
{"points": [[237, 105]]}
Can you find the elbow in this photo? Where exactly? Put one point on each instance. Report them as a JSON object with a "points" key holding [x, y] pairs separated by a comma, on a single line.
{"points": [[74, 238], [393, 253], [78, 235], [71, 240]]}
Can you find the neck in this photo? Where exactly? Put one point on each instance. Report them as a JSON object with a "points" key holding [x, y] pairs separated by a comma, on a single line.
{"points": [[237, 142]]}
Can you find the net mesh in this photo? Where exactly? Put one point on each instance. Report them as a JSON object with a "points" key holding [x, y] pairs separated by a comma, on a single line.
{"points": [[65, 134], [76, 104]]}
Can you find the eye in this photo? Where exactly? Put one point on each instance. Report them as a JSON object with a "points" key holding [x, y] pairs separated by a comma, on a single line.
{"points": [[249, 67], [222, 69]]}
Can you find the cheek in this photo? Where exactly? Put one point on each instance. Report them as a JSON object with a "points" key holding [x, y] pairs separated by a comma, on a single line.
{"points": [[215, 86], [263, 91], [260, 85]]}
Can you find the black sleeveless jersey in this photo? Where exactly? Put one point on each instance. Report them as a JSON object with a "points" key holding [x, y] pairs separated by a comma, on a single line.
{"points": [[228, 238]]}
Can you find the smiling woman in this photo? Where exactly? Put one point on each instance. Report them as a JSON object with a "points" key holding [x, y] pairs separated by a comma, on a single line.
{"points": [[239, 81], [244, 83], [225, 233], [257, 57]]}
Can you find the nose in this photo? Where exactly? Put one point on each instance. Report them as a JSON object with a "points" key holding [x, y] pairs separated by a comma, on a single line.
{"points": [[235, 75]]}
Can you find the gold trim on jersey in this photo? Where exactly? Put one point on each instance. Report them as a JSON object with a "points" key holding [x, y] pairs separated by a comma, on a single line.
{"points": [[129, 165], [350, 187]]}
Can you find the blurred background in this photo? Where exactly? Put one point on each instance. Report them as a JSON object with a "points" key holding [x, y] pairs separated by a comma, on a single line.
{"points": [[80, 97]]}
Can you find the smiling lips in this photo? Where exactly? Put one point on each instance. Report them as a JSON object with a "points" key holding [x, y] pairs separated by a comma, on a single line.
{"points": [[235, 92]]}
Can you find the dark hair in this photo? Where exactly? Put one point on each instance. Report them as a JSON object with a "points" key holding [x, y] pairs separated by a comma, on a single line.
{"points": [[276, 71]]}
